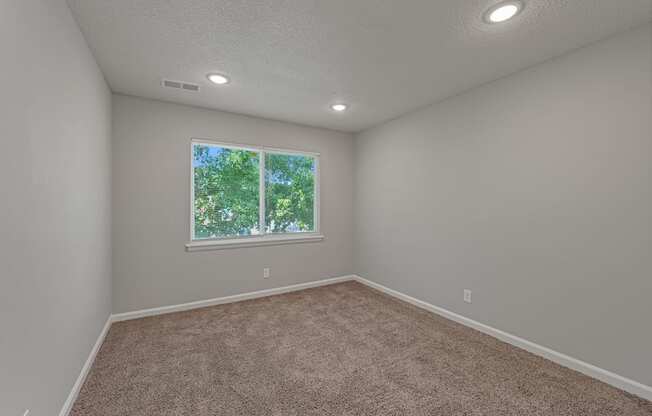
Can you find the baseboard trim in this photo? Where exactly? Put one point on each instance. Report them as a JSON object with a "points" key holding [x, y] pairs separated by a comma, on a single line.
{"points": [[590, 370], [623, 383], [67, 406], [70, 401], [227, 299]]}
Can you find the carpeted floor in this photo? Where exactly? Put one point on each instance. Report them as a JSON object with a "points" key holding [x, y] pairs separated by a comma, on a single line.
{"points": [[342, 349]]}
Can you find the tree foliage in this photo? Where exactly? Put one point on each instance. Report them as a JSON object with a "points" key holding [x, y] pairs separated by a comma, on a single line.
{"points": [[289, 193], [226, 192]]}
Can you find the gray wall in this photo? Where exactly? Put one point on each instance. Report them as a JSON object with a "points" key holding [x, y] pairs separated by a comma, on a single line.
{"points": [[151, 207], [534, 192], [55, 275]]}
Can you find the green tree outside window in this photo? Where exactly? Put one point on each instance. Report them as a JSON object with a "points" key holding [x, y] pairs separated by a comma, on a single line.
{"points": [[227, 188]]}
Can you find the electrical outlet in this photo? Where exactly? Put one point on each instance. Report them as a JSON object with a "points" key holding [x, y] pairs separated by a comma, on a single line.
{"points": [[266, 272], [467, 296]]}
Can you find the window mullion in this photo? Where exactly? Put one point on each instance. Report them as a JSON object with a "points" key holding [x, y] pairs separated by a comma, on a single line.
{"points": [[261, 191]]}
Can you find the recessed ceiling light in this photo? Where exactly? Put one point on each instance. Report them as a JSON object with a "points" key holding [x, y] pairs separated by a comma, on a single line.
{"points": [[339, 107], [218, 79], [504, 11]]}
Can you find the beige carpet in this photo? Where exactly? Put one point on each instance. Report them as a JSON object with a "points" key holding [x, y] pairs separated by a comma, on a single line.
{"points": [[343, 349]]}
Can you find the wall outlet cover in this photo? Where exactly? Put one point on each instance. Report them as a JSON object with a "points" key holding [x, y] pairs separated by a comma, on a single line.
{"points": [[467, 296]]}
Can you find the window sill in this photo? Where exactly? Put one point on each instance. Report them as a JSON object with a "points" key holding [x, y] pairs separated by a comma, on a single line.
{"points": [[270, 240]]}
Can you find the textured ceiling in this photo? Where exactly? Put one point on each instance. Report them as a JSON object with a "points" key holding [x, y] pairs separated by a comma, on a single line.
{"points": [[290, 59]]}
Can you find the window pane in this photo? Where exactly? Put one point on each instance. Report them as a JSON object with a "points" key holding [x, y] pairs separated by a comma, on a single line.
{"points": [[289, 193], [226, 183]]}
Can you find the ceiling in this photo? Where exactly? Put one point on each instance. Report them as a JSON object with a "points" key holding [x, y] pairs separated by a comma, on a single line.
{"points": [[290, 59]]}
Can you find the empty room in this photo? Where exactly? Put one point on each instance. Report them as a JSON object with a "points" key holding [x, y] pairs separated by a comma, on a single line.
{"points": [[326, 207]]}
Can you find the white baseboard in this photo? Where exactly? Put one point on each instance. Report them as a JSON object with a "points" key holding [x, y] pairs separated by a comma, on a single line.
{"points": [[67, 406], [608, 377], [590, 370], [227, 299], [65, 410]]}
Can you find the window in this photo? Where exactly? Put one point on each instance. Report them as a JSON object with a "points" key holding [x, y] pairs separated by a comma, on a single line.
{"points": [[244, 195]]}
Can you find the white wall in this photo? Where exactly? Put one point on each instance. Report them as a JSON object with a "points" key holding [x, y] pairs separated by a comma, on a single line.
{"points": [[535, 192], [151, 207], [55, 276]]}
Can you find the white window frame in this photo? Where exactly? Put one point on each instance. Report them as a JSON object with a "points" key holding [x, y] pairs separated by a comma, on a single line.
{"points": [[264, 238]]}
